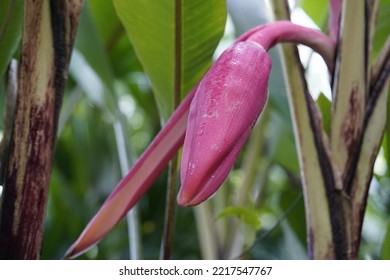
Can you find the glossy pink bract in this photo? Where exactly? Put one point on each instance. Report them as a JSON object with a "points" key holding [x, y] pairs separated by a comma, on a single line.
{"points": [[226, 105]]}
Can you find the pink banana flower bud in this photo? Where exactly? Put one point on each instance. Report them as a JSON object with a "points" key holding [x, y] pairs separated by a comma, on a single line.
{"points": [[227, 103]]}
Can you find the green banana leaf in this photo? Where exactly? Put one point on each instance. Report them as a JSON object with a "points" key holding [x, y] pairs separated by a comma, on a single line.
{"points": [[174, 41]]}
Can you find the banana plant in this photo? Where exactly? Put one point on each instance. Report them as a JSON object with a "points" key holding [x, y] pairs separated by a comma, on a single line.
{"points": [[221, 105], [215, 119]]}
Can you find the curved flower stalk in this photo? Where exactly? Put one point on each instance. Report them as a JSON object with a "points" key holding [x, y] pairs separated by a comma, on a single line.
{"points": [[334, 19], [270, 34], [227, 103]]}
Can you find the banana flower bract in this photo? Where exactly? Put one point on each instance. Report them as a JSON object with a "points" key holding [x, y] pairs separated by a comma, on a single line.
{"points": [[226, 105]]}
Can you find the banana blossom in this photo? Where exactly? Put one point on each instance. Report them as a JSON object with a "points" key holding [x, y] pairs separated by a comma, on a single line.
{"points": [[213, 121]]}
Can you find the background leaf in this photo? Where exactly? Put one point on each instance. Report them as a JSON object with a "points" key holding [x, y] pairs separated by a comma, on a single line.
{"points": [[317, 10], [325, 106], [89, 38], [385, 254], [248, 216], [382, 30], [151, 26], [11, 16]]}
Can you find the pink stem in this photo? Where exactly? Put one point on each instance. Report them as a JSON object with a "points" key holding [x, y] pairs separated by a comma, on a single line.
{"points": [[268, 35], [335, 7]]}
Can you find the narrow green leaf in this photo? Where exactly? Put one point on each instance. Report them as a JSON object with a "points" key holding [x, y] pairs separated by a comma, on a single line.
{"points": [[151, 26], [11, 17]]}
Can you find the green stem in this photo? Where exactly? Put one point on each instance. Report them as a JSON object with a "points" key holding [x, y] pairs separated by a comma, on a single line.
{"points": [[207, 231], [169, 220], [173, 167], [324, 212]]}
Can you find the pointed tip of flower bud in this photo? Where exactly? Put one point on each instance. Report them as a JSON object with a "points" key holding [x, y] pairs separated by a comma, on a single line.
{"points": [[197, 188], [226, 105]]}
